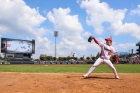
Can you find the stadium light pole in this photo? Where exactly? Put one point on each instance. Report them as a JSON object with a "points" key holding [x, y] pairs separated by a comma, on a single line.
{"points": [[55, 35]]}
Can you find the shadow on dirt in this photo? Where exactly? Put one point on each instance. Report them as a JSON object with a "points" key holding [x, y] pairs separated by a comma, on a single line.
{"points": [[97, 77]]}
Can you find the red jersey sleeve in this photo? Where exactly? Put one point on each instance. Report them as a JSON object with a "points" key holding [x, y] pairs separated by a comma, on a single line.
{"points": [[96, 41]]}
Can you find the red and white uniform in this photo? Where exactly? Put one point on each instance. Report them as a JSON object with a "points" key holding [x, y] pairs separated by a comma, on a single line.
{"points": [[106, 53]]}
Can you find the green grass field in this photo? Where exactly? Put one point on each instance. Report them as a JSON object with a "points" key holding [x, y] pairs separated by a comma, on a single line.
{"points": [[77, 68]]}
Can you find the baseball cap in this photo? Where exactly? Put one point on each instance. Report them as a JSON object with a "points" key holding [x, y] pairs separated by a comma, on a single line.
{"points": [[108, 39]]}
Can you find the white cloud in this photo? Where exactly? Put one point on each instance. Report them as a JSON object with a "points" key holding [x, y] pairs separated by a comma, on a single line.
{"points": [[69, 28], [100, 12], [128, 28], [74, 39], [102, 40], [16, 17], [86, 34], [62, 20], [123, 46], [136, 11]]}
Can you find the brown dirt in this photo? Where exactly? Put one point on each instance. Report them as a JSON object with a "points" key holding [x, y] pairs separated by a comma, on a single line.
{"points": [[68, 83]]}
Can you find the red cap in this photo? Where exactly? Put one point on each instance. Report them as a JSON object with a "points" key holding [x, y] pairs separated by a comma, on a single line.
{"points": [[108, 39]]}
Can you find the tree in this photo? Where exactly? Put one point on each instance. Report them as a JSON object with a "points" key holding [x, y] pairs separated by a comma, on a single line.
{"points": [[45, 59], [1, 58], [64, 58], [49, 58], [41, 58], [98, 55], [93, 58], [111, 58], [37, 59], [54, 58], [59, 58], [68, 58], [76, 58], [87, 58], [81, 58]]}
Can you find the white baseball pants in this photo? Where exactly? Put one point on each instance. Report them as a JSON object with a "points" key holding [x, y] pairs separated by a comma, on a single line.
{"points": [[100, 61]]}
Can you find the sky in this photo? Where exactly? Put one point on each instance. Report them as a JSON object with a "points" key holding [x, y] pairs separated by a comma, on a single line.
{"points": [[75, 21]]}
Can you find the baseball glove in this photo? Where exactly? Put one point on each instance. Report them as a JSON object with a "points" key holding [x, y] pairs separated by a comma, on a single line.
{"points": [[90, 39]]}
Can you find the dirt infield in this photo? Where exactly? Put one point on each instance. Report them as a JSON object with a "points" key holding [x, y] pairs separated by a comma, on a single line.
{"points": [[68, 83]]}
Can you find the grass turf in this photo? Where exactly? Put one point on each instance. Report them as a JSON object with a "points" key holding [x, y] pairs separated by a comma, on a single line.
{"points": [[77, 68]]}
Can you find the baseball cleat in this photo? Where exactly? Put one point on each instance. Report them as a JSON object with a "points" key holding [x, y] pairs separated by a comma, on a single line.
{"points": [[85, 76], [117, 77]]}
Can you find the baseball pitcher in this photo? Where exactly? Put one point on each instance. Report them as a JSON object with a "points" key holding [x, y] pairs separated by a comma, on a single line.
{"points": [[106, 51]]}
